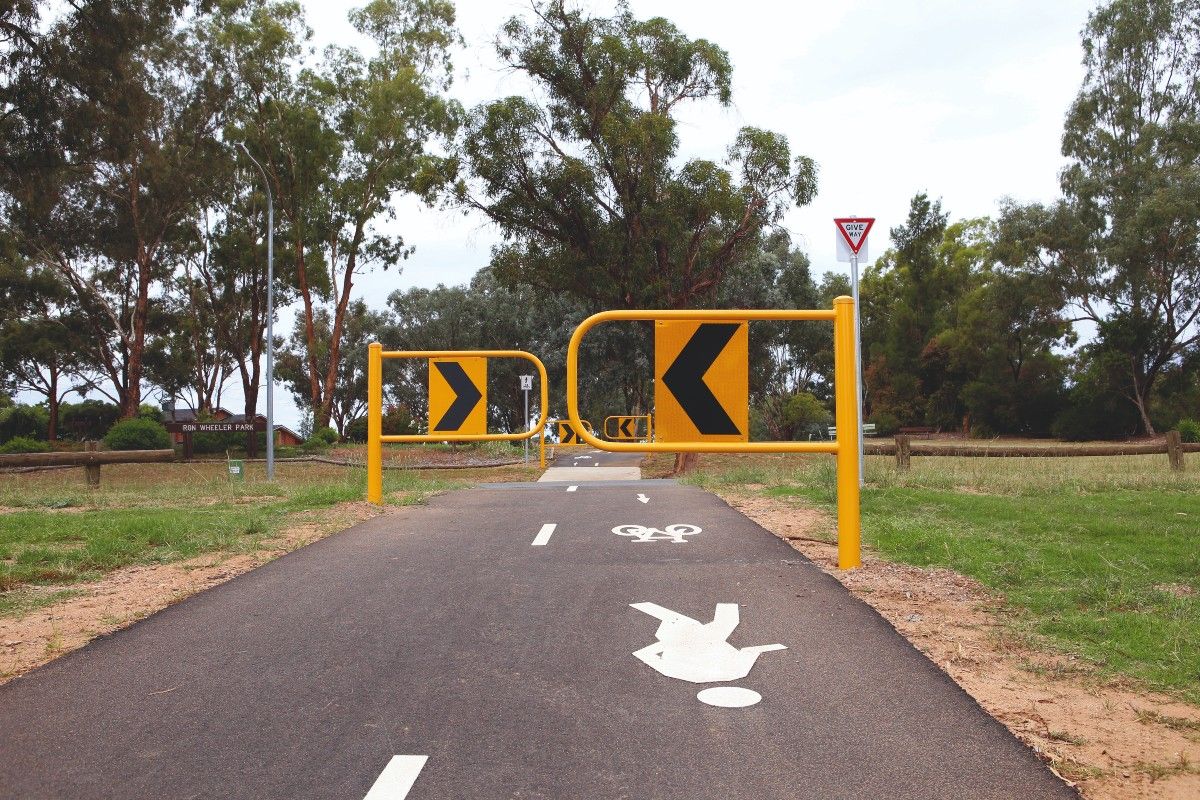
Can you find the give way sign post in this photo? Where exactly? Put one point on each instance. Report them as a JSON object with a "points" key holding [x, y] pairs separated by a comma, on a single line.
{"points": [[852, 244]]}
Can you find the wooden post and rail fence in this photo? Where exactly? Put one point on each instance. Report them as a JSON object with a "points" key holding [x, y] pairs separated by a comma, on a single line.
{"points": [[903, 448], [90, 460]]}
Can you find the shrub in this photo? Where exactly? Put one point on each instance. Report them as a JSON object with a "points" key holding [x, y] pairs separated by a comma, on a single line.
{"points": [[327, 435], [356, 431], [982, 430], [150, 411], [1189, 430], [207, 442], [87, 421], [30, 422], [23, 444], [137, 434], [397, 422], [1094, 414], [885, 424]]}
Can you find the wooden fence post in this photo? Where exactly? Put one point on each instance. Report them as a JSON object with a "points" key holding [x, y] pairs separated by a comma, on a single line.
{"points": [[903, 453], [1175, 451], [92, 470]]}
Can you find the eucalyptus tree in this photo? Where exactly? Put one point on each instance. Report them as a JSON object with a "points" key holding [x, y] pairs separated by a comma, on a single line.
{"points": [[109, 139], [352, 133], [1123, 244], [41, 346], [256, 47], [349, 399], [583, 175]]}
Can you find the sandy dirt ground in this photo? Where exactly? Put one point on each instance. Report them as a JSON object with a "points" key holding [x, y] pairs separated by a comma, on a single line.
{"points": [[127, 595], [1110, 740]]}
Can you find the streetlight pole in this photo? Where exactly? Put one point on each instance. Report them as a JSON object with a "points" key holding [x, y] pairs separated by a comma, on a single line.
{"points": [[270, 316]]}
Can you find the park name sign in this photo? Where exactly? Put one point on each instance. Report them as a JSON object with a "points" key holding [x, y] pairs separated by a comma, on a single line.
{"points": [[216, 427]]}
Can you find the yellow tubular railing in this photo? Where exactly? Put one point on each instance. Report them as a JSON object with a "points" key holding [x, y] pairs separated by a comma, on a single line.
{"points": [[845, 447], [375, 438]]}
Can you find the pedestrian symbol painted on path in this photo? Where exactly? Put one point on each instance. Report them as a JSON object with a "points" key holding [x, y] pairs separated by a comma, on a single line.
{"points": [[698, 652], [641, 533]]}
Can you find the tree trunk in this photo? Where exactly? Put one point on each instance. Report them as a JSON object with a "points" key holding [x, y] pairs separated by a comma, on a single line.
{"points": [[310, 336], [133, 386], [685, 462], [339, 320], [52, 405], [1140, 402], [141, 308]]}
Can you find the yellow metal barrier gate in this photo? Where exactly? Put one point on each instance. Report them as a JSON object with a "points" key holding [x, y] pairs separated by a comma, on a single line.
{"points": [[375, 437], [845, 446]]}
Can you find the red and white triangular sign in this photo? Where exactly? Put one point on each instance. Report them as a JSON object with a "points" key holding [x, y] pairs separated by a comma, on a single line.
{"points": [[854, 230]]}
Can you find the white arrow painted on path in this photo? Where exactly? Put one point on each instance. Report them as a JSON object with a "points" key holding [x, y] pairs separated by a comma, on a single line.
{"points": [[643, 499], [397, 778]]}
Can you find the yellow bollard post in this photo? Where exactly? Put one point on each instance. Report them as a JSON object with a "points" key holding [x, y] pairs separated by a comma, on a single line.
{"points": [[846, 418], [375, 423]]}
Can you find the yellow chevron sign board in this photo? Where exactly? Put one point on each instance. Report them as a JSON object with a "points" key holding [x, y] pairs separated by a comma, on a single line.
{"points": [[458, 396], [627, 428], [701, 381], [567, 436]]}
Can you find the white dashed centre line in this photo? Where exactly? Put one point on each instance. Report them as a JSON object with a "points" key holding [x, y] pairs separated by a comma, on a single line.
{"points": [[572, 488], [544, 534], [397, 778]]}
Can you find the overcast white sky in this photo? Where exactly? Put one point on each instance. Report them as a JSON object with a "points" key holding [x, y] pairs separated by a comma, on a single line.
{"points": [[962, 100]]}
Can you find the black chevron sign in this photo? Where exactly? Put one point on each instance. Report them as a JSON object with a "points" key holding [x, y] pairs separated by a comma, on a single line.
{"points": [[684, 378], [467, 396], [624, 428], [567, 434]]}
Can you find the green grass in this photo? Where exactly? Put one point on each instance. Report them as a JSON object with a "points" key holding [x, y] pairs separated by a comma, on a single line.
{"points": [[59, 532], [20, 602], [1101, 555]]}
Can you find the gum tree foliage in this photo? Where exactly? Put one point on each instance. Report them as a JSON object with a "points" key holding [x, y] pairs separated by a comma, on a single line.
{"points": [[583, 176], [361, 326], [339, 143], [907, 297], [1006, 346], [109, 126], [953, 339], [485, 315], [253, 45], [1121, 245], [41, 345]]}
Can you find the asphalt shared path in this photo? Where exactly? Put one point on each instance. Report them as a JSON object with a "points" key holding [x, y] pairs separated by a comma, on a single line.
{"points": [[507, 642]]}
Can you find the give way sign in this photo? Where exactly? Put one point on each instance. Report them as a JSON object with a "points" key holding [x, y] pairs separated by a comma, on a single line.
{"points": [[853, 231]]}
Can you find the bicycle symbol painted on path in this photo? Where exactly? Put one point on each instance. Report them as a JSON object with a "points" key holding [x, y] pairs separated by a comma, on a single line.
{"points": [[672, 533]]}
